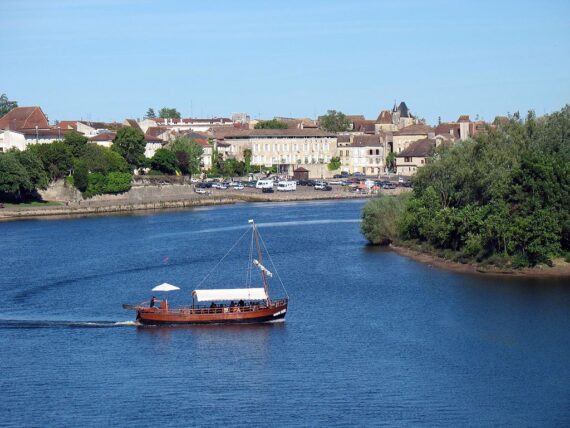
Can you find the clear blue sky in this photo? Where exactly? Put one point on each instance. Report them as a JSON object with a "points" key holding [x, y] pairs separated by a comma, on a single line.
{"points": [[112, 59]]}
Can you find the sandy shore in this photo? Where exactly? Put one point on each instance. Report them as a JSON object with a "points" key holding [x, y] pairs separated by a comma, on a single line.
{"points": [[561, 269]]}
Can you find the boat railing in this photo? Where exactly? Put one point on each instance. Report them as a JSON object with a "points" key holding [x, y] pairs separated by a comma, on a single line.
{"points": [[204, 309]]}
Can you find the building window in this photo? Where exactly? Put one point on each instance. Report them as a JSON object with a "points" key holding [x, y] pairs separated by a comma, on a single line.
{"points": [[407, 159]]}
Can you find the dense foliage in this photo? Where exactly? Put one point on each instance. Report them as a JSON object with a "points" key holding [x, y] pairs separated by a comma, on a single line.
{"points": [[21, 174], [6, 105], [150, 114], [334, 164], [334, 121], [501, 197], [168, 113], [129, 143], [164, 161], [188, 154], [270, 124]]}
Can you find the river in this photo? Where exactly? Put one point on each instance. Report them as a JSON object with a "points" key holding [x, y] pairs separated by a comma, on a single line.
{"points": [[371, 338]]}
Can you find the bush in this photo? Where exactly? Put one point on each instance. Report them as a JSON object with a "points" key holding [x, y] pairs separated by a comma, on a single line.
{"points": [[380, 217]]}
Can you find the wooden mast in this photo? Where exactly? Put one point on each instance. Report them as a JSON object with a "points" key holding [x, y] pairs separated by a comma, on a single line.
{"points": [[260, 258]]}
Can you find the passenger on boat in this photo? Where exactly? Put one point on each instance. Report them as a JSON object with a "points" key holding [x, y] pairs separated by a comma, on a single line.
{"points": [[152, 302], [213, 305], [241, 303]]}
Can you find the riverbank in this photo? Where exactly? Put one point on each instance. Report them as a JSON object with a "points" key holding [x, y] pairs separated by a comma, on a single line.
{"points": [[560, 268], [161, 201]]}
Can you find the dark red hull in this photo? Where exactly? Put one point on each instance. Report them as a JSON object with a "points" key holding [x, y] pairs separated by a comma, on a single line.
{"points": [[244, 315]]}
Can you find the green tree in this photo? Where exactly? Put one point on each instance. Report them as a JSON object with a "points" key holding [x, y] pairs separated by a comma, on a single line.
{"points": [[150, 114], [76, 142], [103, 160], [334, 164], [334, 121], [391, 161], [247, 154], [34, 168], [188, 155], [168, 113], [81, 175], [6, 105], [129, 143], [380, 217], [164, 161], [56, 158], [14, 179], [501, 197], [270, 124]]}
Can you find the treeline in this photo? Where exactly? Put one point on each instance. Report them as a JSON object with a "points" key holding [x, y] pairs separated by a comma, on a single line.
{"points": [[91, 168], [501, 198]]}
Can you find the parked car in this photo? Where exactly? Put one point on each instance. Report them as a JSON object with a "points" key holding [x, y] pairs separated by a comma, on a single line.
{"points": [[400, 180], [337, 176], [344, 174], [311, 182], [320, 186], [267, 189], [201, 191], [239, 187], [358, 174], [389, 186], [327, 188], [336, 182]]}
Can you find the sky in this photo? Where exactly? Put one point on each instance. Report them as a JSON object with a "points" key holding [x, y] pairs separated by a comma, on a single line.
{"points": [[113, 59]]}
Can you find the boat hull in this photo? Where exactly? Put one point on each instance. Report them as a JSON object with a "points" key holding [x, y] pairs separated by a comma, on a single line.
{"points": [[148, 316]]}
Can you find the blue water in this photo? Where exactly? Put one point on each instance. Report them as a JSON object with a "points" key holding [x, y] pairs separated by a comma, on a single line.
{"points": [[371, 338]]}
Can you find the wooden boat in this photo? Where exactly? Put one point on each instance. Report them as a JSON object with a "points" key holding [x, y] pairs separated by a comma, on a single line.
{"points": [[210, 306]]}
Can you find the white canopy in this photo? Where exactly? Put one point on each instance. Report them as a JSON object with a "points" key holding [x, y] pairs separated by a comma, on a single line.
{"points": [[165, 287], [229, 294]]}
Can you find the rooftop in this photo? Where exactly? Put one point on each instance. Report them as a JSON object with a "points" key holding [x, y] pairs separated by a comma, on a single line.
{"points": [[418, 149]]}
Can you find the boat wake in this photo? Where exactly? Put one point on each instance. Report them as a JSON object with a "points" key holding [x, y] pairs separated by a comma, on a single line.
{"points": [[31, 324]]}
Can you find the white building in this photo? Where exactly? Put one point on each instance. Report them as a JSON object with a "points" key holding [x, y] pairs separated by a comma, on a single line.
{"points": [[285, 148]]}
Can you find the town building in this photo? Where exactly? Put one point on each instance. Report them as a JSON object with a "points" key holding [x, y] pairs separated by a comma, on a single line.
{"points": [[363, 153], [30, 123], [402, 138], [285, 148], [191, 124], [415, 155]]}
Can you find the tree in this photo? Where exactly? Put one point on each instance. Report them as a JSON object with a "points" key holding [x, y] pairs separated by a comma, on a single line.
{"points": [[164, 161], [56, 158], [334, 121], [34, 168], [271, 124], [502, 197], [188, 155], [391, 161], [150, 114], [334, 164], [168, 113], [76, 142], [6, 105], [81, 175], [129, 143], [14, 180], [247, 154]]}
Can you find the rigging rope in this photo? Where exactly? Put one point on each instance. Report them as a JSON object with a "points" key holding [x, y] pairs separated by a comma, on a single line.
{"points": [[222, 259], [273, 264]]}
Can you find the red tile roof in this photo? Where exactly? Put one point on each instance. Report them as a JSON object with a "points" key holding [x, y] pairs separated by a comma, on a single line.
{"points": [[417, 129], [24, 118], [385, 117], [105, 136], [366, 141], [418, 149]]}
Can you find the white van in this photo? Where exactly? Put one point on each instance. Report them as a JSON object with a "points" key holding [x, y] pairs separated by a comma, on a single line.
{"points": [[287, 186], [263, 184]]}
